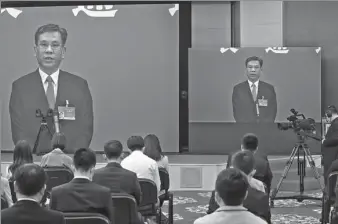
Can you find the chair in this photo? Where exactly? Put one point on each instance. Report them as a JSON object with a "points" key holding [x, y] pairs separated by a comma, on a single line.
{"points": [[327, 214], [148, 204], [85, 218], [4, 203], [56, 176], [125, 208], [167, 195]]}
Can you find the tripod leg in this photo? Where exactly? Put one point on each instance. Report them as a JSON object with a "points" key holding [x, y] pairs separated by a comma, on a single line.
{"points": [[285, 172], [36, 143], [313, 166]]}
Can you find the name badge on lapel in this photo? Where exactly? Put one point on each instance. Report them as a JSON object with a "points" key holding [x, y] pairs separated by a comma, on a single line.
{"points": [[66, 112], [262, 102]]}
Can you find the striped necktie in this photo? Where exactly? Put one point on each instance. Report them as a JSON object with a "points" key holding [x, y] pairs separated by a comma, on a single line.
{"points": [[254, 92], [50, 92]]}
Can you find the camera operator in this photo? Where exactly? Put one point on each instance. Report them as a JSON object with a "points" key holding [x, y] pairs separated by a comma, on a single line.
{"points": [[330, 146]]}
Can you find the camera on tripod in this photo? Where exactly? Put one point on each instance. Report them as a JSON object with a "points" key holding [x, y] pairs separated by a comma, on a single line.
{"points": [[306, 126]]}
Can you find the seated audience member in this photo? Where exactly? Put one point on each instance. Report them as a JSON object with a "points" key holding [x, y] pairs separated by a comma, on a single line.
{"points": [[231, 189], [113, 176], [22, 154], [142, 165], [57, 158], [6, 191], [125, 153], [81, 194], [30, 185], [256, 201], [152, 149], [262, 165]]}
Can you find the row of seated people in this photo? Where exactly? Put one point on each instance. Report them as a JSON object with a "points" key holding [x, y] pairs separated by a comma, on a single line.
{"points": [[90, 189], [229, 197]]}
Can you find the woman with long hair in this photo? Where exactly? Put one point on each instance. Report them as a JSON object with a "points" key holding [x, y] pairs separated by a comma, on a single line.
{"points": [[22, 154], [152, 149]]}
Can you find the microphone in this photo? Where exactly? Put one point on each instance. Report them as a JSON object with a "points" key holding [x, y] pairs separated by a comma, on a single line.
{"points": [[56, 121]]}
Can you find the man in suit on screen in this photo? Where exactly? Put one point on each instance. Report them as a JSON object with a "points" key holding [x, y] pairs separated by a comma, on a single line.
{"points": [[253, 100], [48, 87]]}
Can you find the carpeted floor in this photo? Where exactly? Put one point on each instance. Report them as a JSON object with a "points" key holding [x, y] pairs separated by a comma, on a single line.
{"points": [[188, 206]]}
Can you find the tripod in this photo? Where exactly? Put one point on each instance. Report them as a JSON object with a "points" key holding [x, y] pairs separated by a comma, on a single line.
{"points": [[43, 126], [300, 148]]}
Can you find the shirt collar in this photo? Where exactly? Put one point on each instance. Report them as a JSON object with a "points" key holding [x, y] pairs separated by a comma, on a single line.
{"points": [[27, 199], [54, 76], [229, 208], [81, 177], [256, 83]]}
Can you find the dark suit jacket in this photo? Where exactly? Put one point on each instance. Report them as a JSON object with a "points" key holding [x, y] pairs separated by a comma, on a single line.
{"points": [[119, 180], [262, 166], [256, 202], [330, 146], [82, 195], [30, 212], [28, 95], [244, 107]]}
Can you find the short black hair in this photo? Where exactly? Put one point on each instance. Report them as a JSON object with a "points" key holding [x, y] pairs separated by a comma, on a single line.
{"points": [[113, 149], [50, 28], [250, 142], [231, 186], [58, 141], [244, 161], [84, 159], [135, 143], [254, 58], [30, 178]]}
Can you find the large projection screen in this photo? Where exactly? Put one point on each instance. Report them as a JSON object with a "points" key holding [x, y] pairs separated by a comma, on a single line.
{"points": [[130, 62]]}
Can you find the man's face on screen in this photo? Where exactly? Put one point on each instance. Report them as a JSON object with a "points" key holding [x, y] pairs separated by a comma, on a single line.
{"points": [[253, 70], [49, 51]]}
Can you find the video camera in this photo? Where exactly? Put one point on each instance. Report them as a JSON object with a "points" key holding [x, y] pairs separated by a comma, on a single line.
{"points": [[305, 125]]}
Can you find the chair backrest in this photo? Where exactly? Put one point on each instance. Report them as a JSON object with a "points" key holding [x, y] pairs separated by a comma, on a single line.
{"points": [[125, 208], [57, 176], [4, 203], [149, 192], [85, 218], [165, 180]]}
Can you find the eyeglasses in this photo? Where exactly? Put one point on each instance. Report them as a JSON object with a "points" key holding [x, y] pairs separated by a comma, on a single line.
{"points": [[54, 47]]}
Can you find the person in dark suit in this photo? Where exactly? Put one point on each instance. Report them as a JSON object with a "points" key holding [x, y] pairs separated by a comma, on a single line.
{"points": [[48, 87], [262, 165], [330, 147], [30, 184], [254, 100], [81, 194], [257, 201], [113, 176]]}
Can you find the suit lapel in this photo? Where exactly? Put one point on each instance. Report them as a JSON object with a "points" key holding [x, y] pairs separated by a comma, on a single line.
{"points": [[60, 90], [249, 91], [41, 91]]}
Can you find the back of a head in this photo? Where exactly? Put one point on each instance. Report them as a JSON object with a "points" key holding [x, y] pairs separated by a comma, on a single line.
{"points": [[113, 149], [58, 141], [84, 159], [135, 143], [232, 186], [30, 179], [250, 142], [152, 147], [244, 161], [22, 154]]}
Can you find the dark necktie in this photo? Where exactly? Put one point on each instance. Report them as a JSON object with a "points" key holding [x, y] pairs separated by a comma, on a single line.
{"points": [[50, 92]]}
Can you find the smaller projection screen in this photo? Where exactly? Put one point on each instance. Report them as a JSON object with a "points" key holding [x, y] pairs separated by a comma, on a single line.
{"points": [[219, 91]]}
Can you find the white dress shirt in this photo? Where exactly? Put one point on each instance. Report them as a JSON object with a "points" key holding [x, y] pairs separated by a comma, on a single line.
{"points": [[143, 166], [255, 83], [54, 76]]}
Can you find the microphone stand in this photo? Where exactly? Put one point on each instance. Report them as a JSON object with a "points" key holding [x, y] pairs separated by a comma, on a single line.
{"points": [[43, 126]]}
